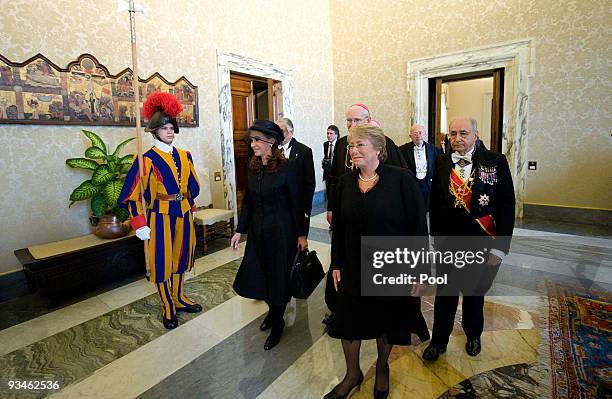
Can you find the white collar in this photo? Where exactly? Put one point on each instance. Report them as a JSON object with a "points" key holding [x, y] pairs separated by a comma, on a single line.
{"points": [[333, 142], [285, 146], [167, 148], [467, 154], [421, 147]]}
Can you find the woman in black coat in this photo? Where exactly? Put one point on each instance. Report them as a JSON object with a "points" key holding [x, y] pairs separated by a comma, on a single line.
{"points": [[374, 200], [276, 225]]}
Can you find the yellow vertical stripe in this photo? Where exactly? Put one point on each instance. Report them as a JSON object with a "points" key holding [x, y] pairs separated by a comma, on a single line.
{"points": [[153, 277], [192, 241], [167, 303], [168, 264], [178, 243]]}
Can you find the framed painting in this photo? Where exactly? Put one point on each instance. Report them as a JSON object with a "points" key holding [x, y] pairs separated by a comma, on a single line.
{"points": [[84, 93]]}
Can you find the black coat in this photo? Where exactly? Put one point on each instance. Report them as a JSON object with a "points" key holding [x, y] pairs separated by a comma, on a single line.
{"points": [[301, 155], [447, 220], [327, 158], [393, 207], [272, 215], [341, 164]]}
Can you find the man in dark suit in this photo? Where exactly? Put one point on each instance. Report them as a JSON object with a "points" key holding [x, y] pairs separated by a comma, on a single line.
{"points": [[472, 198], [421, 157], [302, 156], [328, 153], [357, 114]]}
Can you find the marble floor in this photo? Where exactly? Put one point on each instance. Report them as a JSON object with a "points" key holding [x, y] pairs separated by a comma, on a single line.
{"points": [[112, 345]]}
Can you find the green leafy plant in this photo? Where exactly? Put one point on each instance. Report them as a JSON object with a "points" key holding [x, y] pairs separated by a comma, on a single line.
{"points": [[108, 174]]}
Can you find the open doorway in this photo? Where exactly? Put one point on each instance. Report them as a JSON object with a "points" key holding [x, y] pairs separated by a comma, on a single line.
{"points": [[477, 94], [252, 98]]}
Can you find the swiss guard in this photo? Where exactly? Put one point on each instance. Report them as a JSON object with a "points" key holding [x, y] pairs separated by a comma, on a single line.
{"points": [[169, 187]]}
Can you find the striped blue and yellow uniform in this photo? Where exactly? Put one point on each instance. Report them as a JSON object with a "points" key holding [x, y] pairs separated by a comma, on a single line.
{"points": [[172, 243]]}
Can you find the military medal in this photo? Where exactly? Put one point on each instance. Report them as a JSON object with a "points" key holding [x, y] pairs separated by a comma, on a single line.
{"points": [[488, 174], [483, 200], [462, 164]]}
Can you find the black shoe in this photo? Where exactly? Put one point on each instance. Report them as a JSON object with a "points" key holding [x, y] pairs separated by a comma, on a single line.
{"points": [[195, 308], [170, 324], [266, 324], [275, 335], [333, 395], [328, 319], [382, 394], [472, 347], [431, 353]]}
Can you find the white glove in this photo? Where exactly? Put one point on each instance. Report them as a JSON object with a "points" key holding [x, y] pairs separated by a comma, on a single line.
{"points": [[144, 233]]}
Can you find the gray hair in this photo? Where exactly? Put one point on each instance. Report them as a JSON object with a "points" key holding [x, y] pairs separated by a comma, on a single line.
{"points": [[287, 122], [473, 122]]}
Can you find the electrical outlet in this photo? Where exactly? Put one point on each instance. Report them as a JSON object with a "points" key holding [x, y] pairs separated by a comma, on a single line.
{"points": [[532, 165], [217, 176]]}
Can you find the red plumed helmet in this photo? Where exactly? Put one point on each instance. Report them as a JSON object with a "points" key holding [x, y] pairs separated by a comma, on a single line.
{"points": [[161, 101], [161, 108]]}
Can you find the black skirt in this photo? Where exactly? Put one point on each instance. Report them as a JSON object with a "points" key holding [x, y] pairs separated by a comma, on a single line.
{"points": [[393, 319]]}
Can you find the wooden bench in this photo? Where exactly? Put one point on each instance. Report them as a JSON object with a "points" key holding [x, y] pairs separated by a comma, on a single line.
{"points": [[63, 268]]}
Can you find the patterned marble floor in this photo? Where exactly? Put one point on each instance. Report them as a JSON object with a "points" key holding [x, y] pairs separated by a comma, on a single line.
{"points": [[112, 345]]}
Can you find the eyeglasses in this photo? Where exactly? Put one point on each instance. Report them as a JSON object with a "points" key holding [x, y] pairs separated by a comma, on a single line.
{"points": [[359, 146], [256, 139], [453, 133], [355, 121]]}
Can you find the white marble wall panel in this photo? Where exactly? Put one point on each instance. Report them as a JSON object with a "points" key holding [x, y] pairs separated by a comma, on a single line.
{"points": [[227, 63], [517, 58]]}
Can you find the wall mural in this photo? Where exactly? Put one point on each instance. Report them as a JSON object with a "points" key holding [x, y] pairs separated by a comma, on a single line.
{"points": [[84, 93]]}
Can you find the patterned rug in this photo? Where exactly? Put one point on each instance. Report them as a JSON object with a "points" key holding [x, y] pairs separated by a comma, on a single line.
{"points": [[580, 332]]}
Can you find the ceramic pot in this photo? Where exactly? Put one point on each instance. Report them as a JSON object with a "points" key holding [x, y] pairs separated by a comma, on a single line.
{"points": [[109, 226]]}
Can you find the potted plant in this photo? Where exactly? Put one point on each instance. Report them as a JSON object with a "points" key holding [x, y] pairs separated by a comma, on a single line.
{"points": [[108, 174]]}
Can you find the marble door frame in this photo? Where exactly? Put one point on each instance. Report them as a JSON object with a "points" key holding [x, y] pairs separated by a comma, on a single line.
{"points": [[226, 63], [518, 59]]}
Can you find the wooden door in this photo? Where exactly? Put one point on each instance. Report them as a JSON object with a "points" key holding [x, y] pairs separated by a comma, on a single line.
{"points": [[497, 110], [242, 117], [497, 106], [244, 88]]}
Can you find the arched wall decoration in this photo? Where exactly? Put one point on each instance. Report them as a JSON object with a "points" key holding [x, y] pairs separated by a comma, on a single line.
{"points": [[227, 63], [518, 60], [39, 92]]}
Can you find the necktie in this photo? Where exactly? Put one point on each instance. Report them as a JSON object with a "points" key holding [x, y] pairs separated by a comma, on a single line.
{"points": [[330, 150]]}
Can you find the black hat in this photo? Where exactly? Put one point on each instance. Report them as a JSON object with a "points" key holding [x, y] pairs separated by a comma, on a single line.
{"points": [[161, 108], [158, 120], [268, 128]]}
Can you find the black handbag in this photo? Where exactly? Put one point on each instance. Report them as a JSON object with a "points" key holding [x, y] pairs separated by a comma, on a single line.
{"points": [[306, 273]]}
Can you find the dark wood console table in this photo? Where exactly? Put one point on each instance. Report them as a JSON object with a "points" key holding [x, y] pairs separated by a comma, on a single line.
{"points": [[63, 268]]}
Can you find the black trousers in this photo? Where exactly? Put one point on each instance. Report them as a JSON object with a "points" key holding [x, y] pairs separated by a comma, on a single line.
{"points": [[472, 319], [474, 284]]}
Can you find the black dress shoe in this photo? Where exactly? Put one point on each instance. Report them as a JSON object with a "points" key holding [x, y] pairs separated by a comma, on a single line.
{"points": [[431, 353], [195, 308], [333, 395], [266, 324], [170, 324], [472, 347], [275, 335]]}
